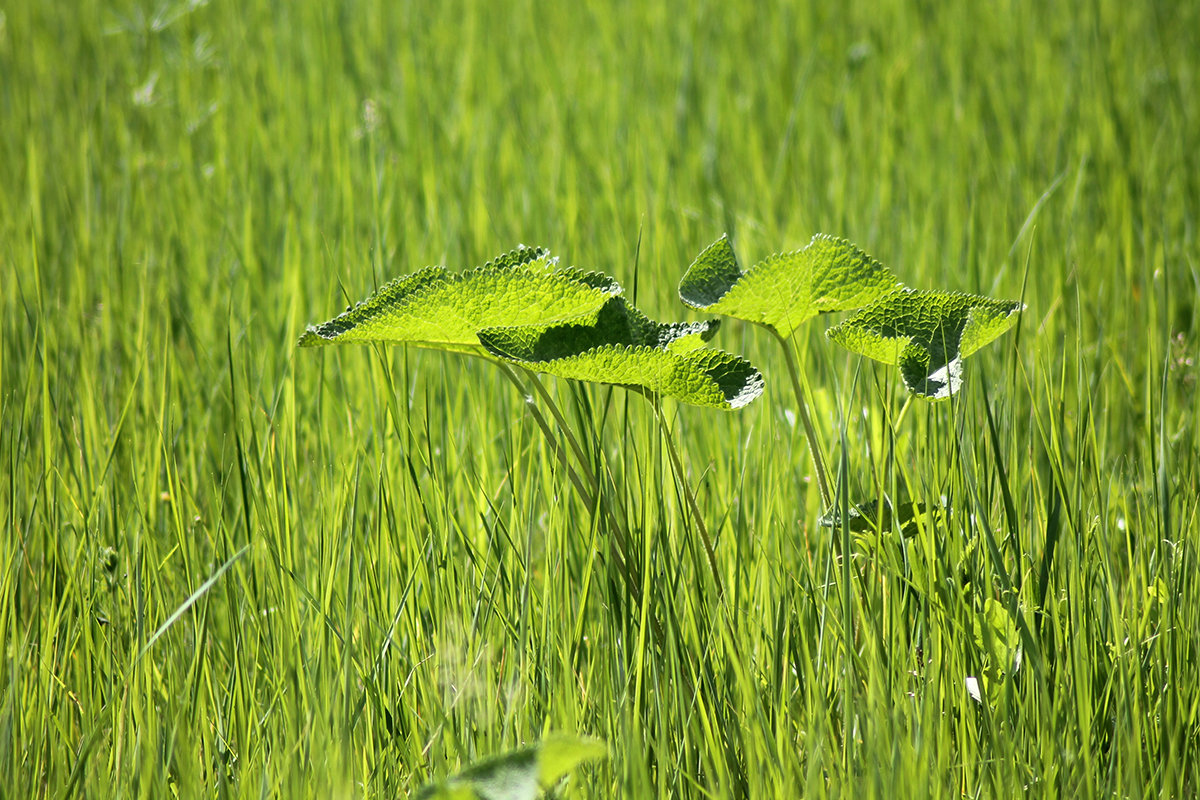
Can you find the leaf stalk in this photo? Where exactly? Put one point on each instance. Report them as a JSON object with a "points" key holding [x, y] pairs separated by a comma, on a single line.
{"points": [[810, 431], [689, 495]]}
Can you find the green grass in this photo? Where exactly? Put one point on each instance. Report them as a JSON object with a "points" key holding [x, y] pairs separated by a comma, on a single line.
{"points": [[383, 572]]}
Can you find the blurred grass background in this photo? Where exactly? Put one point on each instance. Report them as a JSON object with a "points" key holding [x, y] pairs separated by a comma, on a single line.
{"points": [[408, 584]]}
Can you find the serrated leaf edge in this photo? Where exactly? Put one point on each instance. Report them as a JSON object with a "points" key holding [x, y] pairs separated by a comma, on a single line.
{"points": [[949, 376], [751, 389], [834, 331], [766, 263], [315, 335]]}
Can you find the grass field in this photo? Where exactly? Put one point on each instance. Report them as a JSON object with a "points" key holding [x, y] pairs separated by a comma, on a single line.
{"points": [[236, 568]]}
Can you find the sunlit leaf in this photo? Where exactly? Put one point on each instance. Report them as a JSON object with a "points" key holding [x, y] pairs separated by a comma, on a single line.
{"points": [[870, 517], [518, 775], [996, 635], [927, 334], [437, 308], [788, 289], [626, 348]]}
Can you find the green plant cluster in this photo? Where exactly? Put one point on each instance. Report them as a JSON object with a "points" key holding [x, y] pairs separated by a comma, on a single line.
{"points": [[926, 333], [524, 309]]}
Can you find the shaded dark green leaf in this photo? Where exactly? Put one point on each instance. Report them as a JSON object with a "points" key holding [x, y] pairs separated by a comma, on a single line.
{"points": [[626, 348]]}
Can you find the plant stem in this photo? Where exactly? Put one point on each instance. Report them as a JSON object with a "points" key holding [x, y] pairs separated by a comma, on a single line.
{"points": [[594, 480], [587, 496], [594, 498], [677, 468], [568, 434], [810, 432], [847, 600], [902, 412]]}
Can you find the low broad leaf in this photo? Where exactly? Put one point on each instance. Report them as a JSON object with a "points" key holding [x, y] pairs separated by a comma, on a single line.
{"points": [[626, 348], [997, 636], [518, 775], [447, 790], [561, 753], [927, 334], [436, 308], [788, 289], [869, 517]]}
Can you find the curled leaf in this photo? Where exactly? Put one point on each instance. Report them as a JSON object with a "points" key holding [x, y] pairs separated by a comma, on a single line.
{"points": [[783, 291], [626, 348], [927, 334], [440, 309]]}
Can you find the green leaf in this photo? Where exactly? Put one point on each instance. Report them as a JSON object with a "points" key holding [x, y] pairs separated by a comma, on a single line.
{"points": [[518, 775], [626, 348], [868, 517], [997, 636], [561, 753], [788, 289], [926, 334], [436, 308]]}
